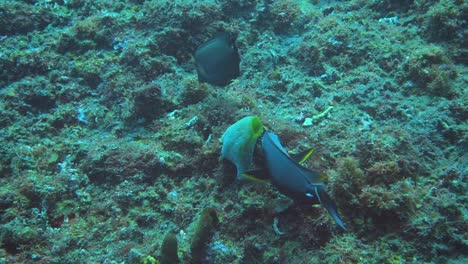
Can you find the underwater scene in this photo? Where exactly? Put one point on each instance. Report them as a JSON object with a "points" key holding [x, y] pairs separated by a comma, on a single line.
{"points": [[248, 131]]}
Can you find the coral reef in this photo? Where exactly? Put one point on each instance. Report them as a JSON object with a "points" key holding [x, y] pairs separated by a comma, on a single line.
{"points": [[110, 147]]}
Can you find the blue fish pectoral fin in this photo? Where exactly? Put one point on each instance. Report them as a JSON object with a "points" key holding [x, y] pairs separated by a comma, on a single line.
{"points": [[301, 157], [329, 204], [257, 175]]}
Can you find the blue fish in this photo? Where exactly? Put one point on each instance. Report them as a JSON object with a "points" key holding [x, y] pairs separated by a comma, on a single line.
{"points": [[291, 178]]}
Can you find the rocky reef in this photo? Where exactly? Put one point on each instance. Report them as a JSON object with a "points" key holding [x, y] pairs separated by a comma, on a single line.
{"points": [[110, 146]]}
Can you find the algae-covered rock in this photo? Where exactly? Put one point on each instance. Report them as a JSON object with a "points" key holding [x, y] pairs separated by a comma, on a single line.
{"points": [[23, 18], [194, 91], [169, 249], [148, 103], [203, 232]]}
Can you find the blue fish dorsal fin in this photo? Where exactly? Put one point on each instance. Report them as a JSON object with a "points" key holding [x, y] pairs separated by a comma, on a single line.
{"points": [[256, 175], [302, 156]]}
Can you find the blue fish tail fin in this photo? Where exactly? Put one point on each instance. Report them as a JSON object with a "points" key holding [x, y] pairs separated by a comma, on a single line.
{"points": [[329, 204]]}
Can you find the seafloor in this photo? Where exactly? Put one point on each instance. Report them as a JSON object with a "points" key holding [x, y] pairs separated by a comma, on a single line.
{"points": [[110, 145]]}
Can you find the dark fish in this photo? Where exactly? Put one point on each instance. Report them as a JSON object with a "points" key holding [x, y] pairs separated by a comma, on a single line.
{"points": [[217, 60]]}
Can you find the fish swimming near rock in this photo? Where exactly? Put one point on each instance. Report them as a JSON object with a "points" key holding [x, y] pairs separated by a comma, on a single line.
{"points": [[294, 180], [239, 142], [285, 172], [217, 61]]}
